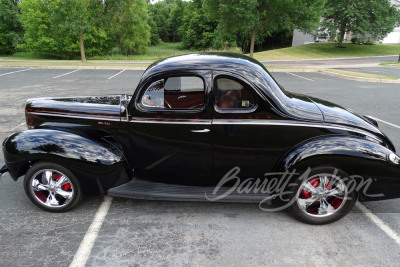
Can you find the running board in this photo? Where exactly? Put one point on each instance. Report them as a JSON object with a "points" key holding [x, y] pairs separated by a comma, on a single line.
{"points": [[142, 189]]}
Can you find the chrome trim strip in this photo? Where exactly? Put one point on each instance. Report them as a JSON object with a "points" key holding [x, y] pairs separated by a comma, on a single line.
{"points": [[170, 121], [200, 131], [94, 117]]}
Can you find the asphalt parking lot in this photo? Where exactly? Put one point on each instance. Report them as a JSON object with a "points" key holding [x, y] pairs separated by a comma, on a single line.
{"points": [[152, 233]]}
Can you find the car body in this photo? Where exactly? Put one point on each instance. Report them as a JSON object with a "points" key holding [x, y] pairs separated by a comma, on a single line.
{"points": [[191, 121]]}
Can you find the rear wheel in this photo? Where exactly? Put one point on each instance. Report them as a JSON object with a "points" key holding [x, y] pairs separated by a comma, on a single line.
{"points": [[323, 196], [52, 187]]}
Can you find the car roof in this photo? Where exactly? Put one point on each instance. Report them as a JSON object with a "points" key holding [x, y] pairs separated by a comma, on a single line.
{"points": [[220, 61]]}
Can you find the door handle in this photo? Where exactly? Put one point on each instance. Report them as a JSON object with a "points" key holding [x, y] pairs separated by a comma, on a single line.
{"points": [[200, 131]]}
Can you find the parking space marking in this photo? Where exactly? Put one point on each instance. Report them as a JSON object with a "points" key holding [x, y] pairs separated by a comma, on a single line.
{"points": [[116, 74], [13, 129], [301, 77], [65, 74], [14, 72], [87, 243], [378, 222], [388, 123]]}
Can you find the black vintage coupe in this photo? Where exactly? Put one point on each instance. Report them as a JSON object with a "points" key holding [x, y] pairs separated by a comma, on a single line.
{"points": [[204, 127]]}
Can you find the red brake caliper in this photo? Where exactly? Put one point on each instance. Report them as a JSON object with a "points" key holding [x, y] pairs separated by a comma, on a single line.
{"points": [[41, 195], [66, 187]]}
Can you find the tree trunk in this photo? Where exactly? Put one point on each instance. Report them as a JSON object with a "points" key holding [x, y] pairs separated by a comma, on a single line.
{"points": [[253, 38], [82, 47], [342, 31]]}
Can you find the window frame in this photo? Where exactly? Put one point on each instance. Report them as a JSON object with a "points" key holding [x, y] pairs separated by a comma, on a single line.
{"points": [[143, 89], [245, 85]]}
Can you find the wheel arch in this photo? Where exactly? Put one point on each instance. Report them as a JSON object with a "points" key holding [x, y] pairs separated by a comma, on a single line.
{"points": [[363, 160], [96, 161]]}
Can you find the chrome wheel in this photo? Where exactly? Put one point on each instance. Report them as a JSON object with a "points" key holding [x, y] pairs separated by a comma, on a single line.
{"points": [[52, 188], [322, 195]]}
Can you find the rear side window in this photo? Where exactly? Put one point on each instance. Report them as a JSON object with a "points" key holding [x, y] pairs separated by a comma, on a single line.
{"points": [[233, 95], [185, 92]]}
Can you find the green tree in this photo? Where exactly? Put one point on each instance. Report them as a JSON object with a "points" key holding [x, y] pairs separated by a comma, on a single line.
{"points": [[35, 18], [76, 18], [154, 35], [264, 16], [70, 27], [160, 13], [197, 30], [375, 18], [129, 26], [175, 19], [11, 31], [64, 27]]}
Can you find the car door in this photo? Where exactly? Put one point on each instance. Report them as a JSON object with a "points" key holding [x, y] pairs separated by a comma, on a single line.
{"points": [[240, 138], [170, 129]]}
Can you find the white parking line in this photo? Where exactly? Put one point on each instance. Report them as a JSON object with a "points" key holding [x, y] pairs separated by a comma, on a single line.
{"points": [[378, 222], [87, 243], [13, 129], [388, 123], [65, 74], [301, 77], [116, 74], [14, 72]]}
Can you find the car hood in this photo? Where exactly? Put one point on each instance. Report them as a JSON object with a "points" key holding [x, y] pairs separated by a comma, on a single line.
{"points": [[335, 114]]}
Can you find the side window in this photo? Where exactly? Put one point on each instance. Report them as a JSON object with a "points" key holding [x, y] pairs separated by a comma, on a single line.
{"points": [[231, 94], [186, 92], [154, 95]]}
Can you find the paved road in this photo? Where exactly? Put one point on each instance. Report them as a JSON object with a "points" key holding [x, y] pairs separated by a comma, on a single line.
{"points": [[324, 62], [171, 233]]}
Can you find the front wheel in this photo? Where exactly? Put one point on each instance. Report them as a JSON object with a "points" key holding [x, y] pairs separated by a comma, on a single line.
{"points": [[52, 187], [322, 196]]}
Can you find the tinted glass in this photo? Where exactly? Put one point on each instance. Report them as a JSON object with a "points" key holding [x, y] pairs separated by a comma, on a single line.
{"points": [[154, 95], [175, 93], [231, 94]]}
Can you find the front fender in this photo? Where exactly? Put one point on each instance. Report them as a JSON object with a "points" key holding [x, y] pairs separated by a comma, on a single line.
{"points": [[357, 156], [90, 159]]}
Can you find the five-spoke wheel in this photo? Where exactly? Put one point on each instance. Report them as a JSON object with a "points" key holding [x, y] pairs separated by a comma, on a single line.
{"points": [[323, 196], [52, 187]]}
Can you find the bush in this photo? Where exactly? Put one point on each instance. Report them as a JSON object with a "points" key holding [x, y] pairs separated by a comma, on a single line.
{"points": [[354, 40], [369, 42]]}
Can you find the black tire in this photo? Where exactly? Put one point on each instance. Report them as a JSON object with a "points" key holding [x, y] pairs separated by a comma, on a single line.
{"points": [[318, 205], [62, 193]]}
